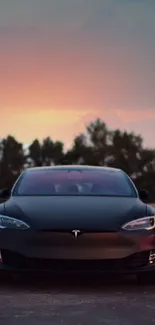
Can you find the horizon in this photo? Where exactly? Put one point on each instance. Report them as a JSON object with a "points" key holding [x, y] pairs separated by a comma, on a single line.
{"points": [[68, 146]]}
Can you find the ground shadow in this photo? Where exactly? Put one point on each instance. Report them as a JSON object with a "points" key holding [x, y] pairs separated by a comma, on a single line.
{"points": [[74, 283]]}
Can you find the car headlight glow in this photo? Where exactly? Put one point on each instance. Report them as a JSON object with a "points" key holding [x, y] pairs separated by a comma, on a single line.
{"points": [[12, 223], [146, 223]]}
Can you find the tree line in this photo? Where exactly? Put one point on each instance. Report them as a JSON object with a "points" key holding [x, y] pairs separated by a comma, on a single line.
{"points": [[97, 145]]}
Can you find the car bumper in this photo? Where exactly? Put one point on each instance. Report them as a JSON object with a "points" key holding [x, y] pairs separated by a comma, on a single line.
{"points": [[135, 263], [122, 252]]}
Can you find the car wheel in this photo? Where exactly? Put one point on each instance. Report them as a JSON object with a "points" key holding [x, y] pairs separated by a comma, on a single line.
{"points": [[146, 278]]}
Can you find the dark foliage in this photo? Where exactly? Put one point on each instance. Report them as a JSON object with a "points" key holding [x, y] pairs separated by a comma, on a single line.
{"points": [[96, 146]]}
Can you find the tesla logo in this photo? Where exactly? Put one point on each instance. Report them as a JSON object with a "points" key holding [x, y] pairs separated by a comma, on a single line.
{"points": [[76, 233]]}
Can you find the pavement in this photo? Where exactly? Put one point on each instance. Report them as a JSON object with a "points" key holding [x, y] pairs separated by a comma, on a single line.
{"points": [[76, 301]]}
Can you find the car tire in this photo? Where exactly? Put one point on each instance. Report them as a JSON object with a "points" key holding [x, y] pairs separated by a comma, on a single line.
{"points": [[146, 278]]}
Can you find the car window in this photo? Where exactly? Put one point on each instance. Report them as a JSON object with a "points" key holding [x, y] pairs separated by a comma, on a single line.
{"points": [[74, 183]]}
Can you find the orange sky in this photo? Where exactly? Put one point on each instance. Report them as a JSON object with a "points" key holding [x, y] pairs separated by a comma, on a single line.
{"points": [[54, 79]]}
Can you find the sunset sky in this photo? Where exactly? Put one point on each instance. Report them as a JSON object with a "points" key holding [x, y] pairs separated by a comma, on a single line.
{"points": [[63, 63]]}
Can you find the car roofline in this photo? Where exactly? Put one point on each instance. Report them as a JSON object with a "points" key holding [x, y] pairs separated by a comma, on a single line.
{"points": [[57, 167]]}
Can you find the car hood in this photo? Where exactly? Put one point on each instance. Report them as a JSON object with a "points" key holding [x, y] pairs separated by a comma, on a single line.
{"points": [[67, 213]]}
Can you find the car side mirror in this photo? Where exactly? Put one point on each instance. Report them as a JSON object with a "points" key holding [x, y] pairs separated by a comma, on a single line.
{"points": [[144, 195], [5, 193]]}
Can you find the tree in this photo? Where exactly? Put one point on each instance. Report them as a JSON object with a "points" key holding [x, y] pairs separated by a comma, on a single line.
{"points": [[80, 153], [125, 152], [12, 160], [46, 153], [58, 153], [35, 154], [98, 135], [52, 152], [92, 147], [146, 178], [96, 146]]}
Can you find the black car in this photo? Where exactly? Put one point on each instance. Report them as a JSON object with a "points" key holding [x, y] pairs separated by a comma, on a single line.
{"points": [[77, 218]]}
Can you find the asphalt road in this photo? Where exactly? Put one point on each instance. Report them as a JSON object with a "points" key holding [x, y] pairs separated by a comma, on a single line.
{"points": [[76, 302]]}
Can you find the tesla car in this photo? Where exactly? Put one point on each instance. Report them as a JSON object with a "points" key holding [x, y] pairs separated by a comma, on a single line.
{"points": [[77, 219]]}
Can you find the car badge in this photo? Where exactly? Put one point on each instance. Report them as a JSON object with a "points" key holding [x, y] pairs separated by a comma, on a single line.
{"points": [[76, 232]]}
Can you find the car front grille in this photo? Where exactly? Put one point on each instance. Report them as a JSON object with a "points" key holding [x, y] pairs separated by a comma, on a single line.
{"points": [[132, 262]]}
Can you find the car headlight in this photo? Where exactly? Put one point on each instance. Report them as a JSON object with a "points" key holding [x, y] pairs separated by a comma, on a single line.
{"points": [[146, 223], [12, 223]]}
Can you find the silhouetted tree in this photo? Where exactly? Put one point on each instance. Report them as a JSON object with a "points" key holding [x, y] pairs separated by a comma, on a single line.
{"points": [[52, 152], [12, 160], [35, 154], [46, 153], [92, 147], [125, 152], [96, 146], [80, 153]]}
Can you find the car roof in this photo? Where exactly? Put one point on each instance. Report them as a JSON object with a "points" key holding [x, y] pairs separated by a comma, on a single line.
{"points": [[66, 167]]}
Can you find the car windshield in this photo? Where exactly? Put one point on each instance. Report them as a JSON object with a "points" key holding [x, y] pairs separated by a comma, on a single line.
{"points": [[70, 182]]}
